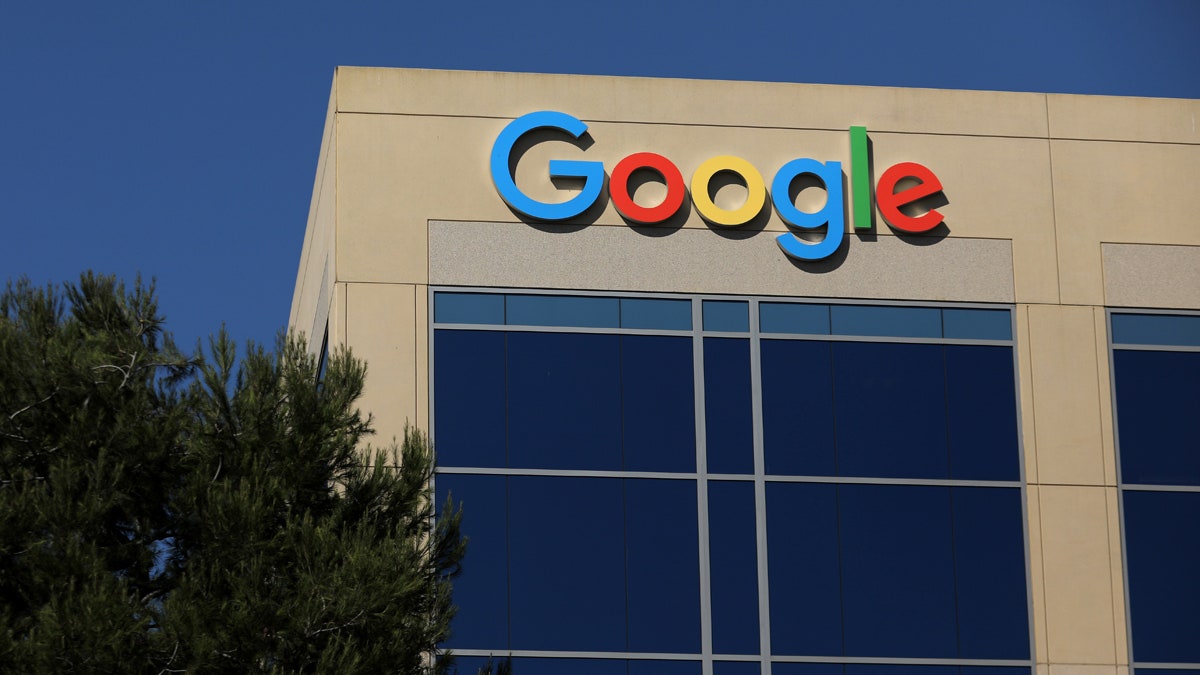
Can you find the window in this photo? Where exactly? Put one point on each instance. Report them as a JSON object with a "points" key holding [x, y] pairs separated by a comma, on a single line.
{"points": [[1156, 384], [663, 485]]}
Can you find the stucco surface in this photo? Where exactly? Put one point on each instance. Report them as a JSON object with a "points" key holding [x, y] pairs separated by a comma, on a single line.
{"points": [[702, 261], [1148, 275]]}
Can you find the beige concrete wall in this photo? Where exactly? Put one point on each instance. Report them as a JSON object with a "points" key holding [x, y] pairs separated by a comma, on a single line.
{"points": [[382, 328], [382, 201], [1109, 192], [1057, 204], [671, 102], [1071, 472], [315, 279]]}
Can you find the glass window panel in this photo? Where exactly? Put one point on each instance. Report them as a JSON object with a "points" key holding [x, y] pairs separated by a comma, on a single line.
{"points": [[737, 668], [658, 407], [733, 566], [806, 603], [890, 406], [563, 310], [778, 668], [897, 571], [1158, 396], [472, 665], [1156, 329], [727, 315], [797, 405], [657, 313], [481, 592], [998, 670], [728, 411], [886, 321], [534, 666], [786, 317], [977, 324], [567, 562], [323, 357], [914, 669], [1162, 552], [645, 667], [487, 308], [469, 398], [982, 407], [661, 558], [989, 563], [564, 401]]}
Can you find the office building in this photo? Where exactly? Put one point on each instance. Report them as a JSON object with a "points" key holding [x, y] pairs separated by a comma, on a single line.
{"points": [[739, 377]]}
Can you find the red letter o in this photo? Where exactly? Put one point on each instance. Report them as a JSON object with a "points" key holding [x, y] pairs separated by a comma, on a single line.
{"points": [[619, 188]]}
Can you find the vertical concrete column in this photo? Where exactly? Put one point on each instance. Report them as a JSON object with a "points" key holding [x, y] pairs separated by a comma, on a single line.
{"points": [[1074, 525], [337, 316], [382, 329]]}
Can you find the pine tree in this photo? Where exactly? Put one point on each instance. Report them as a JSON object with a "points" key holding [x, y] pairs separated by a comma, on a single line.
{"points": [[89, 427], [163, 513]]}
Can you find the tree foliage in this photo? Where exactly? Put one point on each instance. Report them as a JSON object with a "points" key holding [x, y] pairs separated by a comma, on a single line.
{"points": [[170, 513]]}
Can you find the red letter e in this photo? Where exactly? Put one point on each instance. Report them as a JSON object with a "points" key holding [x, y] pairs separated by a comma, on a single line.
{"points": [[890, 202]]}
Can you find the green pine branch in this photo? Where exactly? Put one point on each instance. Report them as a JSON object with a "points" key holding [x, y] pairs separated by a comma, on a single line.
{"points": [[213, 512]]}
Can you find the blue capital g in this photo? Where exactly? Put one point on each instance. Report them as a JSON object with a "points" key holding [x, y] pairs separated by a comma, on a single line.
{"points": [[592, 173]]}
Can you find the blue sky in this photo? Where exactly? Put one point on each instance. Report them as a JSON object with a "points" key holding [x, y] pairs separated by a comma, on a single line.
{"points": [[180, 139]]}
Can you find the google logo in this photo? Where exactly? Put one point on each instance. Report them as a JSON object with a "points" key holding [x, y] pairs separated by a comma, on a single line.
{"points": [[919, 182]]}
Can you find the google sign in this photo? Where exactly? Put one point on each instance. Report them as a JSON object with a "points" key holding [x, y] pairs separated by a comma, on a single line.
{"points": [[920, 183]]}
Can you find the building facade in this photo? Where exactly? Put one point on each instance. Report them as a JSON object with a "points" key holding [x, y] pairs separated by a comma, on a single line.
{"points": [[737, 377]]}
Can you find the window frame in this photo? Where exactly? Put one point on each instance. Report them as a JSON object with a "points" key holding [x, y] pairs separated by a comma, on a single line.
{"points": [[759, 478]]}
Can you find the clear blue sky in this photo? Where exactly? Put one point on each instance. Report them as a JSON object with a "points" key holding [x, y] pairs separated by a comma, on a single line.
{"points": [[179, 139]]}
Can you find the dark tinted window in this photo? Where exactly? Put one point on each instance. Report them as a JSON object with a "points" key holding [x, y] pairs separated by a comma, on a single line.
{"points": [[1162, 551], [470, 665], [886, 321], [656, 313], [726, 315], [733, 565], [977, 324], [564, 531], [982, 411], [890, 402], [807, 668], [883, 669], [470, 386], [728, 406], [989, 569], [529, 666], [640, 667], [797, 405], [1156, 329], [778, 317], [468, 308], [564, 401], [563, 310], [481, 592], [662, 566], [612, 564], [737, 668], [658, 409], [1158, 398], [897, 571], [806, 603]]}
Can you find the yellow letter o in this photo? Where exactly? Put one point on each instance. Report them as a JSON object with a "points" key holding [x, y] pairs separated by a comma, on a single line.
{"points": [[756, 191]]}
